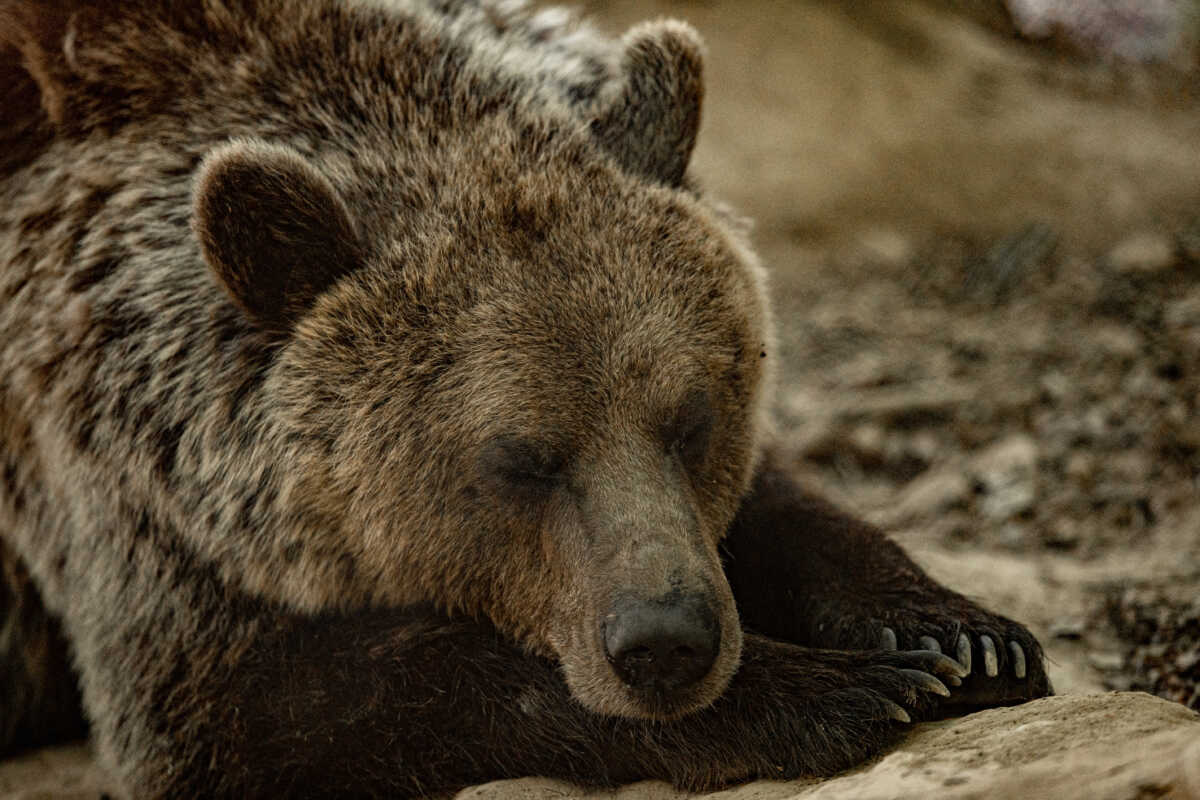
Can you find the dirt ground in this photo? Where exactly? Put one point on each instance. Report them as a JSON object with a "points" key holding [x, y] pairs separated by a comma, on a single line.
{"points": [[986, 260]]}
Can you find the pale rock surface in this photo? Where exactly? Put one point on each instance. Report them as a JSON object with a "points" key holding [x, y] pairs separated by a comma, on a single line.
{"points": [[1143, 252], [1075, 747]]}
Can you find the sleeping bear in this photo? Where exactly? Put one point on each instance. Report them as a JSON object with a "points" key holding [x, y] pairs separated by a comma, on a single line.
{"points": [[384, 409]]}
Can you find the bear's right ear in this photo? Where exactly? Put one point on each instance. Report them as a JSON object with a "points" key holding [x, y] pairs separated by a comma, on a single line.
{"points": [[35, 36], [651, 126], [274, 230]]}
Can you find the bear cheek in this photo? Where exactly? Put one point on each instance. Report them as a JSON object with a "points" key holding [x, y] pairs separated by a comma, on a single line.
{"points": [[564, 554]]}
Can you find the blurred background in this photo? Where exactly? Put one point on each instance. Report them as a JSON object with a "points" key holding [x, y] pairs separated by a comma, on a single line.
{"points": [[982, 220]]}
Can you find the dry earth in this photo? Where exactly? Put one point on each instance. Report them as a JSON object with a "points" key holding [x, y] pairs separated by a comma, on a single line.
{"points": [[987, 272]]}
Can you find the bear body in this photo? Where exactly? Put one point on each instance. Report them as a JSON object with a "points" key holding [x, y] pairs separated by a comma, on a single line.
{"points": [[383, 409]]}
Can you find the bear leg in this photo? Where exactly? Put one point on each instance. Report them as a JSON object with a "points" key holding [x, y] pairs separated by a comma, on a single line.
{"points": [[396, 704], [805, 572]]}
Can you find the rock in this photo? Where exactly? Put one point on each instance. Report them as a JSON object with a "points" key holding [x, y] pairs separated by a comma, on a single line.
{"points": [[1062, 534], [929, 495], [1007, 474], [1106, 661], [1118, 340], [1143, 252], [868, 441], [1055, 385], [1184, 312], [1081, 466], [1189, 243], [1007, 263], [887, 247], [1071, 747], [1070, 630]]}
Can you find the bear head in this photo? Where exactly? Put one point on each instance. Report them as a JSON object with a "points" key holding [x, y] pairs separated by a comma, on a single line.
{"points": [[519, 369]]}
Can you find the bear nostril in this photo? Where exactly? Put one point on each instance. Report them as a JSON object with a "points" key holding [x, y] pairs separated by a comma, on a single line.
{"points": [[665, 645]]}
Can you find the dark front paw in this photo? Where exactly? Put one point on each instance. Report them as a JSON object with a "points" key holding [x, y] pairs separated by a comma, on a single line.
{"points": [[902, 684], [793, 711], [1002, 661]]}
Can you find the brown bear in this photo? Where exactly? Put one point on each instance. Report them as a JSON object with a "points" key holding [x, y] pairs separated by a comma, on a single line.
{"points": [[383, 409]]}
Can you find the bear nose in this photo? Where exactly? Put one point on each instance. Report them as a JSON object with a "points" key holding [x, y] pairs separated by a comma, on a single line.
{"points": [[665, 645]]}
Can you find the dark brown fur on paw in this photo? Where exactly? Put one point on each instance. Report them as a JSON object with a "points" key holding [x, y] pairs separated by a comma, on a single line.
{"points": [[1002, 661]]}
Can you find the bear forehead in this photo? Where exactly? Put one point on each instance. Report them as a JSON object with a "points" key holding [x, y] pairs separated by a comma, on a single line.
{"points": [[629, 300], [608, 280]]}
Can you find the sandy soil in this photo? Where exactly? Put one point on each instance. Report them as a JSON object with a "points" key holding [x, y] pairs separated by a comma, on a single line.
{"points": [[986, 264]]}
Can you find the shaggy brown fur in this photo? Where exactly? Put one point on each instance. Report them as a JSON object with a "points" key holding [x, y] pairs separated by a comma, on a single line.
{"points": [[360, 361]]}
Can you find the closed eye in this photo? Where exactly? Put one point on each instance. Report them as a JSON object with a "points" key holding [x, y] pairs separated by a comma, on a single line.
{"points": [[518, 463], [688, 434]]}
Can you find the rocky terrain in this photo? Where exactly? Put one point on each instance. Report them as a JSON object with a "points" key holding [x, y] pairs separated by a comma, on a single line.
{"points": [[986, 260]]}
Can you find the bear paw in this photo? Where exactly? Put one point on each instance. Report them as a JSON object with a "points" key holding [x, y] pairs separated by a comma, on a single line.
{"points": [[795, 711], [912, 678], [1002, 662]]}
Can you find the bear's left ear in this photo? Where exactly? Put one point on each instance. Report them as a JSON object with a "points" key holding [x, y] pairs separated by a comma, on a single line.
{"points": [[274, 230], [651, 126]]}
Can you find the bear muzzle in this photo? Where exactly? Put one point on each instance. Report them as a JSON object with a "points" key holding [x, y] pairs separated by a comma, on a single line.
{"points": [[662, 645]]}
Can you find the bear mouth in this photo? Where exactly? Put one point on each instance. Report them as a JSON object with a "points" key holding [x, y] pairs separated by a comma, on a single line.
{"points": [[648, 680], [651, 696]]}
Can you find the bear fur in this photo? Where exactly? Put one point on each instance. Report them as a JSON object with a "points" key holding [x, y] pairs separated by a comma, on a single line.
{"points": [[373, 376]]}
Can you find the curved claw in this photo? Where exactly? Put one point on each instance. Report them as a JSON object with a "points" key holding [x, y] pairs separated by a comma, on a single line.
{"points": [[926, 681], [991, 664], [930, 643], [963, 651], [887, 639], [939, 664], [896, 712], [1018, 657]]}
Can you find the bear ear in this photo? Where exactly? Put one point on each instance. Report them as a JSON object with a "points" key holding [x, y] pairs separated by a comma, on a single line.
{"points": [[35, 39], [651, 126], [273, 229]]}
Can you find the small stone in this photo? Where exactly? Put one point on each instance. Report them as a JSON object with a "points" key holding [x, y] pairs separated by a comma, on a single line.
{"points": [[1095, 422], [1107, 661], [1056, 385], [1189, 243], [1118, 340], [1007, 263], [1143, 252], [1012, 536], [923, 445], [1067, 629], [887, 247], [869, 442], [1007, 473], [1081, 466], [1062, 535], [1184, 312], [934, 492]]}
